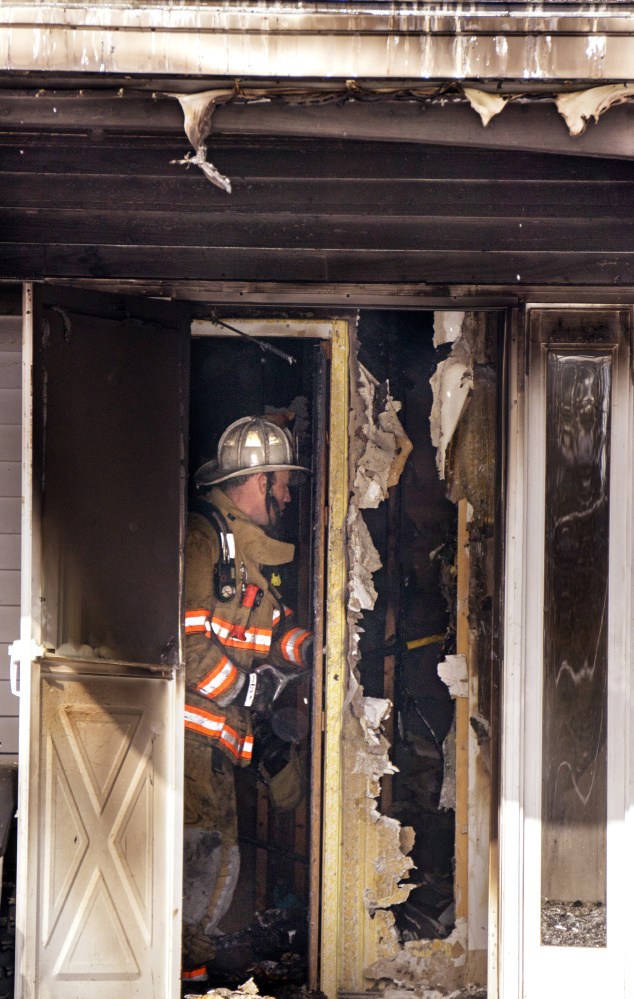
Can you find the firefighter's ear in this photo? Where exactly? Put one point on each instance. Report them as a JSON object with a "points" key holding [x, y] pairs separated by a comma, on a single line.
{"points": [[262, 483]]}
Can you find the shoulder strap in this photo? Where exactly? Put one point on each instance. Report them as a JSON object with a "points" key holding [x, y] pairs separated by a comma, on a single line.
{"points": [[225, 568]]}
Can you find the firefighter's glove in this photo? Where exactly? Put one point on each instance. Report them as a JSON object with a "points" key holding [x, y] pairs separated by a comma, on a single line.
{"points": [[262, 686]]}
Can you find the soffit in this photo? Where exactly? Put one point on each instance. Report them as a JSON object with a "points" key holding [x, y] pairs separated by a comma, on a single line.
{"points": [[335, 40]]}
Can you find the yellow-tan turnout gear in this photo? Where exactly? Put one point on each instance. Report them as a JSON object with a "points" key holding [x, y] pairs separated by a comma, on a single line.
{"points": [[226, 642]]}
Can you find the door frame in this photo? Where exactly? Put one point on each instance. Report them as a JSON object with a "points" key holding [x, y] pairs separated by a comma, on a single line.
{"points": [[519, 815]]}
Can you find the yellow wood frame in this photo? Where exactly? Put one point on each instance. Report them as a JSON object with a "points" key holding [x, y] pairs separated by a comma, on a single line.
{"points": [[336, 670]]}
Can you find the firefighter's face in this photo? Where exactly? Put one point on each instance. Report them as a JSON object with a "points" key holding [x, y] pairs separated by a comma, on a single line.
{"points": [[281, 493], [255, 498]]}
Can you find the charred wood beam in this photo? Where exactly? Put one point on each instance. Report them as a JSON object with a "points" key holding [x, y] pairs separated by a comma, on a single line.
{"points": [[377, 236], [528, 126], [35, 261], [513, 198], [301, 299]]}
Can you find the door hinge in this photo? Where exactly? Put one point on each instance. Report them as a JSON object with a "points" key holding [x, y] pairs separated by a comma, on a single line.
{"points": [[18, 656]]}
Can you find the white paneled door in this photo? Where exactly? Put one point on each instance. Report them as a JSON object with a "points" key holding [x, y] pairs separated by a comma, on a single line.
{"points": [[104, 808], [100, 806]]}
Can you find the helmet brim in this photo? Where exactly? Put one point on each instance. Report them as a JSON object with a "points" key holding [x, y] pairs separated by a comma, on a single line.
{"points": [[210, 474]]}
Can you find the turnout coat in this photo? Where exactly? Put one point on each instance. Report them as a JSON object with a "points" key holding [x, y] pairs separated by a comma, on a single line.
{"points": [[225, 641]]}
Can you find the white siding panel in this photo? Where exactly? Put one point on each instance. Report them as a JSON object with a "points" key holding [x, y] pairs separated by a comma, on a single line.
{"points": [[10, 369], [11, 333], [9, 551], [10, 443], [9, 734], [10, 478], [10, 587], [10, 703], [10, 405], [10, 510], [10, 514], [9, 624], [4, 666]]}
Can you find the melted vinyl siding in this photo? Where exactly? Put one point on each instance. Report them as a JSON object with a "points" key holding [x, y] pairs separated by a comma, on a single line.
{"points": [[10, 496]]}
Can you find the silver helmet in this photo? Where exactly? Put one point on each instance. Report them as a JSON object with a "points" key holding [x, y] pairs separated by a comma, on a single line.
{"points": [[249, 446]]}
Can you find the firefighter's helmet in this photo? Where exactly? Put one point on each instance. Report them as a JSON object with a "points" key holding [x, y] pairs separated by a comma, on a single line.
{"points": [[249, 446]]}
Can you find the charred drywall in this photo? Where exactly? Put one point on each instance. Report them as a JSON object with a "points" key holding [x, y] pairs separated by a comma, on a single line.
{"points": [[401, 557]]}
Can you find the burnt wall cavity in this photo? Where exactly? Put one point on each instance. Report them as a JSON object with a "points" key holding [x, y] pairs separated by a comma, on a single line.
{"points": [[414, 533]]}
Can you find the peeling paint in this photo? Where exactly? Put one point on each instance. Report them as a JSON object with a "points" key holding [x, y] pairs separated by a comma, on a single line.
{"points": [[578, 107], [486, 104], [447, 326], [198, 110], [451, 385]]}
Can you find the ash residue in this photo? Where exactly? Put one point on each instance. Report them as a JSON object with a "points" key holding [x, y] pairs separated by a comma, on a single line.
{"points": [[573, 924]]}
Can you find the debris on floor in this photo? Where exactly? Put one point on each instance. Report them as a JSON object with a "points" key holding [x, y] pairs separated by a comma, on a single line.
{"points": [[573, 924], [248, 988]]}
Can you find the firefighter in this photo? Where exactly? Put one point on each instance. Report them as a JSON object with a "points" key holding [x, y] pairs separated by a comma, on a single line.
{"points": [[242, 646]]}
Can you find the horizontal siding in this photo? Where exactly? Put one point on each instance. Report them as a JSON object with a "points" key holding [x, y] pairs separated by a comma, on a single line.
{"points": [[9, 551], [10, 479], [10, 404], [10, 512], [311, 210], [4, 667], [10, 587], [10, 336], [10, 443], [8, 734], [9, 624], [10, 707], [10, 368]]}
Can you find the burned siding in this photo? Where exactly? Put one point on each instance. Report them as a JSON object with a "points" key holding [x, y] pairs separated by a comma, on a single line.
{"points": [[307, 210]]}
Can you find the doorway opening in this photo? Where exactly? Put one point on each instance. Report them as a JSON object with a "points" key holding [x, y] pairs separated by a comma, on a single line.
{"points": [[264, 931], [422, 637]]}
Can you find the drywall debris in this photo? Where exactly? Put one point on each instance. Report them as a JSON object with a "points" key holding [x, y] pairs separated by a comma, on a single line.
{"points": [[454, 673], [198, 110], [375, 711], [364, 562], [487, 105], [447, 326], [431, 964], [451, 385], [244, 991], [448, 790], [378, 450], [581, 105], [386, 443], [366, 761]]}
